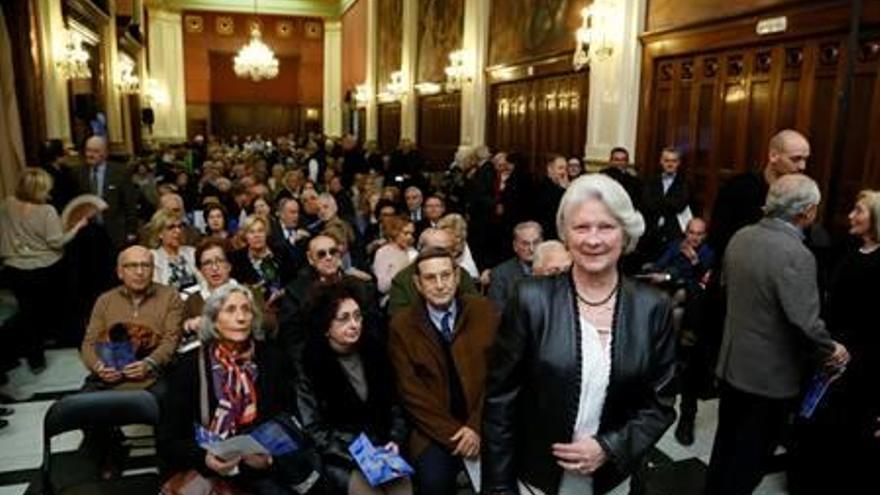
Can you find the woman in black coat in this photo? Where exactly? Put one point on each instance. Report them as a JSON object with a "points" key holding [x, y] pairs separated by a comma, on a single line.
{"points": [[580, 385], [346, 388], [243, 382]]}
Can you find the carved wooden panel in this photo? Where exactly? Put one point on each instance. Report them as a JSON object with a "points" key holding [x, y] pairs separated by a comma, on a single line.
{"points": [[389, 126], [439, 128], [540, 117]]}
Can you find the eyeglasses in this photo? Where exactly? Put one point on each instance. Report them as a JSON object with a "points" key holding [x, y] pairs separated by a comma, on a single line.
{"points": [[172, 226], [324, 253], [345, 318], [215, 263], [135, 266]]}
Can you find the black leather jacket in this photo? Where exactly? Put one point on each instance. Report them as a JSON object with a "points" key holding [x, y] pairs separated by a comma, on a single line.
{"points": [[533, 387]]}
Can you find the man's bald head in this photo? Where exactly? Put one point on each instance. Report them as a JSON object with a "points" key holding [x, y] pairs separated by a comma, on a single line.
{"points": [[133, 252], [787, 153], [134, 267], [437, 238], [95, 150]]}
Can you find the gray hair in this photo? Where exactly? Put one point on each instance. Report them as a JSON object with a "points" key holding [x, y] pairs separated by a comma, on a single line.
{"points": [[529, 224], [545, 248], [791, 195], [613, 195], [208, 332]]}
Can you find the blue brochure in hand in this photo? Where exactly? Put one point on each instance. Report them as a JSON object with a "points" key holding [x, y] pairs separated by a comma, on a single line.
{"points": [[816, 391], [267, 438], [377, 464], [116, 355]]}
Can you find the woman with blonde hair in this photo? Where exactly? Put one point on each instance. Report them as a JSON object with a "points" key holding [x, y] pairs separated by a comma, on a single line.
{"points": [[174, 263], [396, 254], [32, 243], [457, 225]]}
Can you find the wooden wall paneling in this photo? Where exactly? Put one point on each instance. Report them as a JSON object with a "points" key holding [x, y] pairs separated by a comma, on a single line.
{"points": [[249, 118], [21, 24], [760, 112], [789, 110], [389, 126], [872, 158], [439, 128], [826, 85]]}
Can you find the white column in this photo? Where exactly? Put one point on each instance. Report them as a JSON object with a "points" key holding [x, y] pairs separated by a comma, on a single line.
{"points": [[408, 60], [112, 102], [333, 78], [56, 101], [372, 131], [613, 109], [476, 49], [166, 69]]}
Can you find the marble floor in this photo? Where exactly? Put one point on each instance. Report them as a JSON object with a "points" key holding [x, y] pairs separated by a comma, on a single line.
{"points": [[681, 468]]}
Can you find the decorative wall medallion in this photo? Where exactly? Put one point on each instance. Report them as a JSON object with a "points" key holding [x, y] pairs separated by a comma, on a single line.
{"points": [[829, 53], [869, 51], [284, 29], [255, 24], [687, 70], [194, 23], [710, 67], [794, 57], [763, 61], [734, 66], [313, 30], [224, 25]]}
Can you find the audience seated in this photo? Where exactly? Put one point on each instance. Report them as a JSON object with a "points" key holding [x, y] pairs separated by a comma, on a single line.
{"points": [[503, 278], [175, 264], [395, 254]]}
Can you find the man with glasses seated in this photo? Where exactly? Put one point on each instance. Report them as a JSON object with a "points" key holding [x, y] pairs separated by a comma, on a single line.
{"points": [[131, 336], [324, 267]]}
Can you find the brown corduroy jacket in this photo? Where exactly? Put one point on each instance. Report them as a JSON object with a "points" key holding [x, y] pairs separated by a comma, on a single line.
{"points": [[421, 370]]}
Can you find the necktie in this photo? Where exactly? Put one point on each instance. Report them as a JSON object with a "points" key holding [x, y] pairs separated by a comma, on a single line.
{"points": [[446, 326], [94, 181]]}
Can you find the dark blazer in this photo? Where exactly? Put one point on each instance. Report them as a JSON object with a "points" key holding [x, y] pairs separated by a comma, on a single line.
{"points": [[331, 411], [119, 192], [631, 183], [544, 205], [657, 205], [534, 384], [772, 331], [423, 374], [244, 272], [403, 292], [179, 403], [294, 252], [503, 280]]}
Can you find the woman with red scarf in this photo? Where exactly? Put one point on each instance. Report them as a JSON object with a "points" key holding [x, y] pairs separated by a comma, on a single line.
{"points": [[230, 384]]}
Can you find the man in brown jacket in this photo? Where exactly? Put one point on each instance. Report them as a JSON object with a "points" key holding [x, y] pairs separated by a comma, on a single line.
{"points": [[439, 350], [151, 311]]}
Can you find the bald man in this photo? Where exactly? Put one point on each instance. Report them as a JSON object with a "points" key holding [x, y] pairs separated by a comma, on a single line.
{"points": [[112, 182], [150, 312], [740, 200]]}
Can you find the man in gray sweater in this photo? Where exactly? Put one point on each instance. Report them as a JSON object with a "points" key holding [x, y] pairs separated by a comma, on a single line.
{"points": [[773, 335]]}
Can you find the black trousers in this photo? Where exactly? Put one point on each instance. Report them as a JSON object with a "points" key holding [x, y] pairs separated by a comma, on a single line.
{"points": [[436, 471], [749, 428], [39, 307]]}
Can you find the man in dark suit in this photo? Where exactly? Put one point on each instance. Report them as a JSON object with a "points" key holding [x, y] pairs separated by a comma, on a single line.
{"points": [[549, 194], [526, 236], [618, 169], [434, 208], [773, 335], [112, 182], [439, 348], [664, 198], [286, 237]]}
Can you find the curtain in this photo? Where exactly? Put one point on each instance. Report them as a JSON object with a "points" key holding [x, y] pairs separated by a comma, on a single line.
{"points": [[12, 158]]}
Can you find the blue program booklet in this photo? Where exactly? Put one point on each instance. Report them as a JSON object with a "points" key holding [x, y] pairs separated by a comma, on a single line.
{"points": [[116, 355], [377, 464], [267, 438], [816, 391]]}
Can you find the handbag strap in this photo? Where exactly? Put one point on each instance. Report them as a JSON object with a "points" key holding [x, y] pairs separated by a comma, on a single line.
{"points": [[203, 387]]}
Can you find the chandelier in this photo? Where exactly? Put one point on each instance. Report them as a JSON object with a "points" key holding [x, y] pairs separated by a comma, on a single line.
{"points": [[128, 81], [74, 60], [255, 60], [593, 41], [457, 72]]}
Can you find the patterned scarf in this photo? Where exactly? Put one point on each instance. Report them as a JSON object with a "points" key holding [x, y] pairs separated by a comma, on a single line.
{"points": [[235, 377]]}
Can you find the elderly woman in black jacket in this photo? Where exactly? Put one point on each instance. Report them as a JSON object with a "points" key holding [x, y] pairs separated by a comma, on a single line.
{"points": [[581, 380], [346, 388]]}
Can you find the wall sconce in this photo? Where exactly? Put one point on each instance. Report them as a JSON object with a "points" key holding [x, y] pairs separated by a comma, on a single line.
{"points": [[73, 62], [394, 90], [457, 72], [127, 79], [312, 114], [361, 95], [592, 38]]}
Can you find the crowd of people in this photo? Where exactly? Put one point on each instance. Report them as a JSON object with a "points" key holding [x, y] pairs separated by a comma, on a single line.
{"points": [[539, 328]]}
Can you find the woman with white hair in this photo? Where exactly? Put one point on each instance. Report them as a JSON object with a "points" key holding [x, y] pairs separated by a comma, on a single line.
{"points": [[457, 225], [580, 384], [230, 384]]}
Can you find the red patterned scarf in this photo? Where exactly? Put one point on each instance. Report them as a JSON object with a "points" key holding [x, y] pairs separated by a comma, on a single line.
{"points": [[235, 376]]}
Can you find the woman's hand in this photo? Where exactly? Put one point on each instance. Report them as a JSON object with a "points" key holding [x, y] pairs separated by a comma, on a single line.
{"points": [[192, 325], [392, 448], [220, 466], [258, 461], [583, 457]]}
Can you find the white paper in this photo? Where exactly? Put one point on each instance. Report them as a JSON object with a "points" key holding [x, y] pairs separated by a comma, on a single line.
{"points": [[473, 470], [235, 447]]}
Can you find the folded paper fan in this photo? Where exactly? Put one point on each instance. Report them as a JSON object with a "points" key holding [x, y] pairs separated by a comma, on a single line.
{"points": [[83, 206]]}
